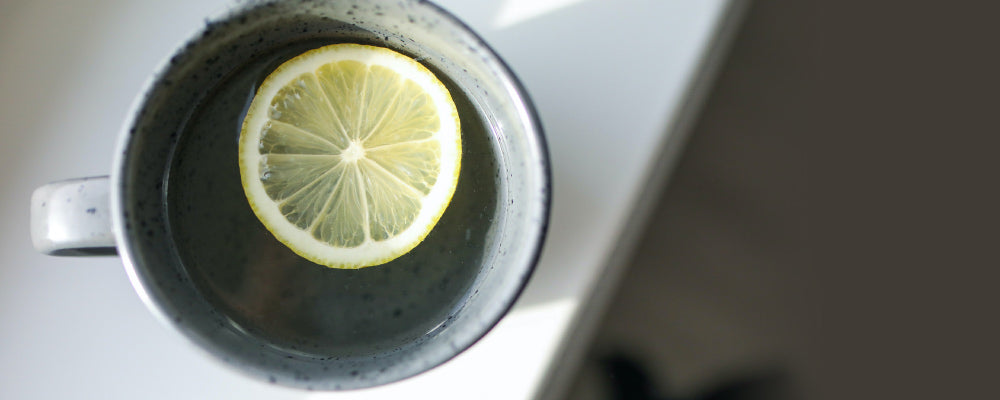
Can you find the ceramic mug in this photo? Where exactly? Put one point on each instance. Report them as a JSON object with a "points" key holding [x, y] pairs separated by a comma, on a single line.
{"points": [[173, 209]]}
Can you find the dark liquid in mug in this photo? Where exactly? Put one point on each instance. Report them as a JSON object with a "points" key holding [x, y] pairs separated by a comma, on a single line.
{"points": [[268, 291]]}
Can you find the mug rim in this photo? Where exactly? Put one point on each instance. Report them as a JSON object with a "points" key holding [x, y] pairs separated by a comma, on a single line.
{"points": [[533, 136]]}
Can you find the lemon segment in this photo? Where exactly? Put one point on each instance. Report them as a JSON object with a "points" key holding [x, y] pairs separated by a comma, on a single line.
{"points": [[349, 154]]}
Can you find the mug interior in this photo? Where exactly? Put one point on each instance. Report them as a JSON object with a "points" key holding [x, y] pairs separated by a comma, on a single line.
{"points": [[208, 268]]}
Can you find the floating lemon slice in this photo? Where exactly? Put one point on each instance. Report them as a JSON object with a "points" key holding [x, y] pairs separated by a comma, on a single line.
{"points": [[349, 154]]}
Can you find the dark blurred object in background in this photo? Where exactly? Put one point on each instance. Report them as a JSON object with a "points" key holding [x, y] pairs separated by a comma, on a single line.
{"points": [[627, 380]]}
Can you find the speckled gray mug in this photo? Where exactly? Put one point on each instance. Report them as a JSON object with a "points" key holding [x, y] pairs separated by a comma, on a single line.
{"points": [[174, 211]]}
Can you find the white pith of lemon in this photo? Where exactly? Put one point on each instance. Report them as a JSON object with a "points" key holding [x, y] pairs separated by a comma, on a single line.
{"points": [[349, 154]]}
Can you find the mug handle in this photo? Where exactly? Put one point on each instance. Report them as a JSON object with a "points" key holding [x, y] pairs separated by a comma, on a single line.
{"points": [[73, 218]]}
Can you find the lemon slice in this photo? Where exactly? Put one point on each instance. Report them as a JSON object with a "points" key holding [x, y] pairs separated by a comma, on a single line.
{"points": [[349, 154]]}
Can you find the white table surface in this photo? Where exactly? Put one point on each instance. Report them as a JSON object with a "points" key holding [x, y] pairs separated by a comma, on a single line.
{"points": [[614, 82]]}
